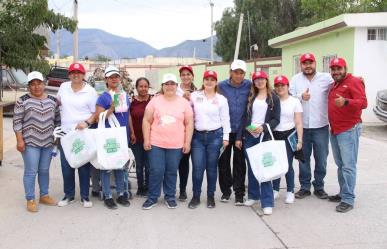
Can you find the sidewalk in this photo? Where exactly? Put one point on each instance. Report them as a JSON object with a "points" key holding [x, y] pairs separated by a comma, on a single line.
{"points": [[308, 223]]}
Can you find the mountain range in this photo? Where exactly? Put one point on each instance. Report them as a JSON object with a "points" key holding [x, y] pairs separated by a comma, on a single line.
{"points": [[95, 42]]}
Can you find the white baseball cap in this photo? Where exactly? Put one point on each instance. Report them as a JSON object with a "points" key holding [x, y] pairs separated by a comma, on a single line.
{"points": [[110, 70], [238, 64], [169, 77], [34, 75]]}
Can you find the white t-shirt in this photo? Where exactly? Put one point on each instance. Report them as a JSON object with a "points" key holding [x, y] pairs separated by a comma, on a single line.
{"points": [[288, 108], [75, 106], [259, 111], [211, 114]]}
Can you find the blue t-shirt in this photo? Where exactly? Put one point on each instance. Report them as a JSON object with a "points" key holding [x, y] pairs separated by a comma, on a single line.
{"points": [[105, 100]]}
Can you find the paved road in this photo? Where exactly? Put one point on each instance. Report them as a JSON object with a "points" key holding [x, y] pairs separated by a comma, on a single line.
{"points": [[309, 223]]}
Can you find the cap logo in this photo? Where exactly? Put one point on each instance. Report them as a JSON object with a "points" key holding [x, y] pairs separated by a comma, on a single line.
{"points": [[279, 78], [307, 56], [211, 72], [76, 65], [336, 61]]}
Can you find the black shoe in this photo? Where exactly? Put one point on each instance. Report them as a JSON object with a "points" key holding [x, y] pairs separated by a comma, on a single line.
{"points": [[343, 207], [140, 192], [171, 204], [95, 193], [123, 201], [128, 195], [225, 198], [183, 196], [194, 203], [210, 202], [302, 193], [321, 194], [334, 198], [239, 201], [110, 203]]}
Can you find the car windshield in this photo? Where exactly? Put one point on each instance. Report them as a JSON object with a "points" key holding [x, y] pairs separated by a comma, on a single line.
{"points": [[20, 76]]}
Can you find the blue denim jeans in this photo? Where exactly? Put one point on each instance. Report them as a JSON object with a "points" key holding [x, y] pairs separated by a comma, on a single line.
{"points": [[290, 174], [255, 190], [205, 149], [345, 147], [36, 162], [69, 177], [105, 180], [142, 164], [318, 140], [163, 165]]}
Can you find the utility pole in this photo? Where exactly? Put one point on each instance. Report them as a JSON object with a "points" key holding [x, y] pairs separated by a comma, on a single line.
{"points": [[212, 31], [75, 35], [248, 25], [236, 53]]}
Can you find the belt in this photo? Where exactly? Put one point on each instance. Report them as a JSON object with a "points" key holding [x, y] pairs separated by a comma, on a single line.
{"points": [[205, 131]]}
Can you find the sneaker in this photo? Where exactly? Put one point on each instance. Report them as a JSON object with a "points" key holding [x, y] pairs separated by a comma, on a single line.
{"points": [[47, 200], [275, 194], [267, 210], [344, 207], [250, 202], [31, 206], [321, 194], [238, 200], [225, 198], [289, 198], [86, 203], [334, 198], [194, 203], [95, 193], [148, 204], [66, 201], [210, 202], [171, 204], [109, 203], [302, 193], [122, 200], [183, 196]]}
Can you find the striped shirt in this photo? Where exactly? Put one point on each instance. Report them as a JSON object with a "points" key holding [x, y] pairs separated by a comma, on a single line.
{"points": [[36, 120]]}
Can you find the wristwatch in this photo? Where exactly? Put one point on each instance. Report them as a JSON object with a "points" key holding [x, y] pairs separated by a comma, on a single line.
{"points": [[87, 122], [346, 102]]}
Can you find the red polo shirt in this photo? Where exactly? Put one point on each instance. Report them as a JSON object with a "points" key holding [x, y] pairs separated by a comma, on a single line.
{"points": [[344, 118]]}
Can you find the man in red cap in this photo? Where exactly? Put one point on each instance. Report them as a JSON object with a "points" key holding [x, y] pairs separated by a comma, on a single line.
{"points": [[346, 99], [311, 88]]}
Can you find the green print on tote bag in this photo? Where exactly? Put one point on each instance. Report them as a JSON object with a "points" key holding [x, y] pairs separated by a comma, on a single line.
{"points": [[268, 159], [77, 146], [111, 145]]}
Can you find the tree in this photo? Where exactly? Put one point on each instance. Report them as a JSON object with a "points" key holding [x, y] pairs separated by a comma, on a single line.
{"points": [[19, 45], [103, 58]]}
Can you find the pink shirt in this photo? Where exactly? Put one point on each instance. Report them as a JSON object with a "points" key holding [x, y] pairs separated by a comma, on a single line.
{"points": [[168, 129]]}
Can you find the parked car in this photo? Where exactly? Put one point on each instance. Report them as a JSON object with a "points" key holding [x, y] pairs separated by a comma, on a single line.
{"points": [[13, 78], [57, 76], [380, 108]]}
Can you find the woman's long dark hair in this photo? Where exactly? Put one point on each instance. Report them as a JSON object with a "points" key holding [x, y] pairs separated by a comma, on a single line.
{"points": [[253, 94]]}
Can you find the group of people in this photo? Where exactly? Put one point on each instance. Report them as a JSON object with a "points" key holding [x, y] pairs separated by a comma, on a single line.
{"points": [[205, 125]]}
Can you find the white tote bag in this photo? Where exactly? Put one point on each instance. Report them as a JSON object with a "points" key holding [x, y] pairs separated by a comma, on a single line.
{"points": [[79, 147], [112, 144], [268, 159]]}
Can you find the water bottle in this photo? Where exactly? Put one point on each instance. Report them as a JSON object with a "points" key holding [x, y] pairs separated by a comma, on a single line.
{"points": [[54, 151]]}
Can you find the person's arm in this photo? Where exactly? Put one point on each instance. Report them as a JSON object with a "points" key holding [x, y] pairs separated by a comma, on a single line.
{"points": [[18, 125], [146, 127], [359, 98], [225, 119], [189, 127], [299, 128], [132, 135], [276, 115]]}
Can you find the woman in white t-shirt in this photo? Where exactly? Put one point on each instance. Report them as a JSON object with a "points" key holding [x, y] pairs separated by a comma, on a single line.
{"points": [[291, 120], [212, 129]]}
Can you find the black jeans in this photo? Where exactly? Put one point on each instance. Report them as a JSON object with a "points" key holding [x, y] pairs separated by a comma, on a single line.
{"points": [[184, 172], [237, 179]]}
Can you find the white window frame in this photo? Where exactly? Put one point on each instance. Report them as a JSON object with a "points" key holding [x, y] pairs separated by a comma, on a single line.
{"points": [[377, 34], [296, 64], [326, 61]]}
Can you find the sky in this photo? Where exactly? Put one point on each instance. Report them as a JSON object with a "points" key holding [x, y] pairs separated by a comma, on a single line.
{"points": [[159, 23]]}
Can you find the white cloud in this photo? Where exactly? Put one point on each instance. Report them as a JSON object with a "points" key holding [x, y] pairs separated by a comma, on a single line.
{"points": [[158, 23]]}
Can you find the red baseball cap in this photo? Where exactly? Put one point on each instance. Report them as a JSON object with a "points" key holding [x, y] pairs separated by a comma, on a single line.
{"points": [[186, 67], [210, 73], [259, 74], [77, 67], [307, 57], [338, 62], [280, 79]]}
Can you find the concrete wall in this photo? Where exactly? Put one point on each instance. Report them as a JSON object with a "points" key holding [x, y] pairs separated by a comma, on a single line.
{"points": [[370, 62]]}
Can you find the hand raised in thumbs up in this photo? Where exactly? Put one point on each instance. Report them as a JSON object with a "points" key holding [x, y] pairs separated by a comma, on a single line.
{"points": [[340, 100], [306, 95]]}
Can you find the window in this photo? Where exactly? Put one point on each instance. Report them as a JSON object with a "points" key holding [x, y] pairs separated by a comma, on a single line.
{"points": [[374, 34], [296, 64], [326, 61]]}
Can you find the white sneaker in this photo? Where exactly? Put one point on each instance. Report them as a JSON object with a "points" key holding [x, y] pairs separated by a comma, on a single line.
{"points": [[250, 202], [289, 198], [86, 203], [267, 210], [276, 194], [65, 201]]}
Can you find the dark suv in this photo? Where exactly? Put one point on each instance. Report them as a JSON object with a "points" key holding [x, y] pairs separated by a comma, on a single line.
{"points": [[57, 76]]}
